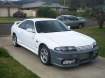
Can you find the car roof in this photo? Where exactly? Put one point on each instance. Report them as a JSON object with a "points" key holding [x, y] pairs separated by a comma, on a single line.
{"points": [[66, 16], [41, 19]]}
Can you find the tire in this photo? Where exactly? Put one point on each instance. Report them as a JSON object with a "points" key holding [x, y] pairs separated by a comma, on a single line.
{"points": [[81, 26], [14, 40], [44, 55]]}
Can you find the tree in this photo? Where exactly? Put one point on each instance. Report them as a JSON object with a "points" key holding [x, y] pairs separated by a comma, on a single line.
{"points": [[46, 12], [82, 3], [100, 18]]}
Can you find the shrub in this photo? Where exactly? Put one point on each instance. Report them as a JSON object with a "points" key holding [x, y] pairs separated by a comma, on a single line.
{"points": [[46, 12], [20, 14]]}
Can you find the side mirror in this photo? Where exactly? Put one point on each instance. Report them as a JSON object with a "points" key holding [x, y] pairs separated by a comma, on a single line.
{"points": [[68, 27], [30, 30]]}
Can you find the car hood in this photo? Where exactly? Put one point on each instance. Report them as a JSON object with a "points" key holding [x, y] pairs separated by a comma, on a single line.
{"points": [[69, 38]]}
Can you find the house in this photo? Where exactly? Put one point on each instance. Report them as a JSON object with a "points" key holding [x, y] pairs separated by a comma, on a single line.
{"points": [[8, 8]]}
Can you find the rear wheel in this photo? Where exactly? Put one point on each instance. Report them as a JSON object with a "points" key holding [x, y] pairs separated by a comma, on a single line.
{"points": [[14, 40], [81, 26], [44, 55]]}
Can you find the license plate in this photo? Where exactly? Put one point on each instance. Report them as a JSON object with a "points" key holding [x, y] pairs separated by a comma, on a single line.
{"points": [[69, 61]]}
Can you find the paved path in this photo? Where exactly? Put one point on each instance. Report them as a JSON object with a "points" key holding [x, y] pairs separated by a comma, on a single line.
{"points": [[32, 62]]}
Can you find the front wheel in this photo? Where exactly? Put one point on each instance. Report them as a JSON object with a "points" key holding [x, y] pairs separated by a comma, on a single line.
{"points": [[44, 55]]}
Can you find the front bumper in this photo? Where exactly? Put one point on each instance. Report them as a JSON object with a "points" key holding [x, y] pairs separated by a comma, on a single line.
{"points": [[73, 58]]}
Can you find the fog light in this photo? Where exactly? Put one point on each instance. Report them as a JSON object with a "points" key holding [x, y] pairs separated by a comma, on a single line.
{"points": [[69, 61]]}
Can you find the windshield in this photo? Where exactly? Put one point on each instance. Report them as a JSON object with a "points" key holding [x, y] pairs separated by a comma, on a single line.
{"points": [[50, 26]]}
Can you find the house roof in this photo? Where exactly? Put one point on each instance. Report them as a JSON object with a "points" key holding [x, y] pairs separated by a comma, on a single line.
{"points": [[34, 4], [42, 4], [9, 4]]}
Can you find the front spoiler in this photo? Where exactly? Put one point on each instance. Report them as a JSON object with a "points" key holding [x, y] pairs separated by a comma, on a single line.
{"points": [[81, 57]]}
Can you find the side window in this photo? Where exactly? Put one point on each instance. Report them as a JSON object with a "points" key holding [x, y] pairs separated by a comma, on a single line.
{"points": [[74, 18], [61, 18], [27, 24], [66, 19], [70, 18], [22, 25], [30, 25]]}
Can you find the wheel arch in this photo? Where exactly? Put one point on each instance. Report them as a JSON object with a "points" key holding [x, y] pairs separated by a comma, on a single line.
{"points": [[13, 33], [41, 45]]}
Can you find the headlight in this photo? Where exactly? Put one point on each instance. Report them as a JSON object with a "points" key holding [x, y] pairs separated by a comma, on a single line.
{"points": [[94, 44], [71, 48]]}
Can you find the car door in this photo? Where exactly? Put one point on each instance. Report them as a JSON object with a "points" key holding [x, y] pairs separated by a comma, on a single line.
{"points": [[20, 32], [29, 35], [63, 19], [73, 21], [26, 37]]}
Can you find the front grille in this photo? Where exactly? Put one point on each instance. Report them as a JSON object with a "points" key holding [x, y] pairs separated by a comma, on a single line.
{"points": [[84, 56]]}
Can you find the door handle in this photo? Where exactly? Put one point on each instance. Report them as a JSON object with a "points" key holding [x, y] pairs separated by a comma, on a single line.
{"points": [[36, 41]]}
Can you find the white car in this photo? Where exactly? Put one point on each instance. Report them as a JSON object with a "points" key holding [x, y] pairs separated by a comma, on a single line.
{"points": [[53, 42]]}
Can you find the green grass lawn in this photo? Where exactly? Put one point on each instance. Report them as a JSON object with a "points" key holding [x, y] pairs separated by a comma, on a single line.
{"points": [[7, 20], [9, 68], [98, 34]]}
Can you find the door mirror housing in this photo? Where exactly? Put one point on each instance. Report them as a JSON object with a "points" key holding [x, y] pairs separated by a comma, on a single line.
{"points": [[30, 30]]}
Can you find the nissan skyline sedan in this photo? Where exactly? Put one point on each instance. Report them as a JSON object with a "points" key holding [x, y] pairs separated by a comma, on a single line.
{"points": [[53, 42]]}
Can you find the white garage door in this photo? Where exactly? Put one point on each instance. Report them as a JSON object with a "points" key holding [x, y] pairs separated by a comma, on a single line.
{"points": [[3, 12]]}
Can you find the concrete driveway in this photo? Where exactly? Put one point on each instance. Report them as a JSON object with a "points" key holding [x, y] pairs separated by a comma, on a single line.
{"points": [[32, 62], [5, 29]]}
